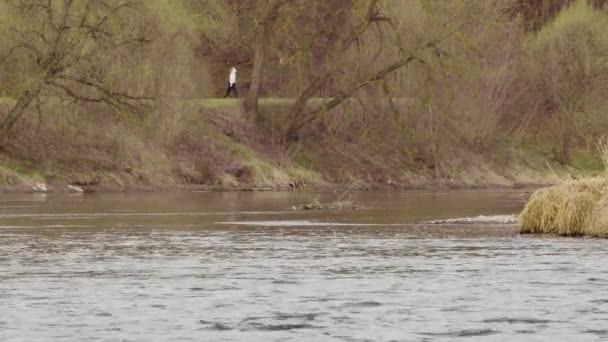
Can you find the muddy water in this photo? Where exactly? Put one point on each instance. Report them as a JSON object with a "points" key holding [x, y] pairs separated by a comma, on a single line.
{"points": [[247, 267]]}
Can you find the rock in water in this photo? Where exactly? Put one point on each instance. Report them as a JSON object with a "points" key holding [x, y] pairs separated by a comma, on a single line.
{"points": [[40, 187], [75, 188]]}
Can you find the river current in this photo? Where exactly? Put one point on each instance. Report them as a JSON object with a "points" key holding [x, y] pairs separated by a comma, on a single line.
{"points": [[413, 266]]}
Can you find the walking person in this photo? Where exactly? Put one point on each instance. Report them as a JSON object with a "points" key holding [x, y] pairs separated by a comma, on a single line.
{"points": [[232, 83]]}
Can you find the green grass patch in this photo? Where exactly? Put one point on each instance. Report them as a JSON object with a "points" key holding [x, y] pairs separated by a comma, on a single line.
{"points": [[217, 102], [7, 101], [587, 162]]}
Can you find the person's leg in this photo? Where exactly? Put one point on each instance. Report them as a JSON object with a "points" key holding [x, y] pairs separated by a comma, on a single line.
{"points": [[228, 91], [236, 93]]}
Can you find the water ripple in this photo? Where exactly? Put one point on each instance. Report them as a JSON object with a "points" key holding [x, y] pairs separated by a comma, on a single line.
{"points": [[122, 273]]}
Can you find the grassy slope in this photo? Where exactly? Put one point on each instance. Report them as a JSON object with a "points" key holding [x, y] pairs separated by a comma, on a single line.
{"points": [[216, 147]]}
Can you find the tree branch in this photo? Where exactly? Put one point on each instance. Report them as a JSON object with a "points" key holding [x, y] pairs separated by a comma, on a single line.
{"points": [[129, 4], [343, 44], [20, 46], [104, 90], [75, 95], [111, 101], [49, 14], [345, 94]]}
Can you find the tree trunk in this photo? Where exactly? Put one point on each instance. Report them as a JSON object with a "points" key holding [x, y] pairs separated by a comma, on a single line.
{"points": [[23, 102], [251, 102], [298, 115], [307, 94], [263, 31]]}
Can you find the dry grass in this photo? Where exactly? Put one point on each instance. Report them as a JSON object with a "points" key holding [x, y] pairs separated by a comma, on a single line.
{"points": [[180, 144], [539, 214], [598, 226], [574, 214], [572, 208]]}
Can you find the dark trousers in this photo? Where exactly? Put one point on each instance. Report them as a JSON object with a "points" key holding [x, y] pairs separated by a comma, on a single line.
{"points": [[232, 88]]}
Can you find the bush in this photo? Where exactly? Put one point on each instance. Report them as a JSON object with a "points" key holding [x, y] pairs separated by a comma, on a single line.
{"points": [[568, 63]]}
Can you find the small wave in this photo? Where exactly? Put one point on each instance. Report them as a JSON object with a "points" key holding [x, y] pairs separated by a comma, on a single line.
{"points": [[510, 320], [278, 223], [274, 323], [366, 304], [282, 316], [464, 333], [297, 223], [279, 327], [215, 325], [67, 216], [599, 332], [46, 226], [505, 219]]}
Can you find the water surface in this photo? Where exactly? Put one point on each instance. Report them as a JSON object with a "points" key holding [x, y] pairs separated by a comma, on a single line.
{"points": [[247, 267]]}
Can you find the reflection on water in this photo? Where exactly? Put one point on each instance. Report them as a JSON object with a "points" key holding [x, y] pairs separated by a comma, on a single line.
{"points": [[245, 267]]}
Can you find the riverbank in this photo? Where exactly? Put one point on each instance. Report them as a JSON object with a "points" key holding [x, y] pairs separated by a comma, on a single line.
{"points": [[335, 188], [116, 183], [210, 145]]}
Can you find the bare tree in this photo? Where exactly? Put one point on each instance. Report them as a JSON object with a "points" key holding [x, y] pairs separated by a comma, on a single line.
{"points": [[342, 44], [301, 116], [64, 42]]}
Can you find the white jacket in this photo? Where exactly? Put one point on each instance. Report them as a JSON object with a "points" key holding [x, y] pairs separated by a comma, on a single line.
{"points": [[232, 77]]}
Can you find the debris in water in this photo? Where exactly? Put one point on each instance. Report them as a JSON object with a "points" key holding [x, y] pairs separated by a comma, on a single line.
{"points": [[74, 188], [335, 205]]}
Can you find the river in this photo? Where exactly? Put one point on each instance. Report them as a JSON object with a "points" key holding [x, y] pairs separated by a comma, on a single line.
{"points": [[413, 266]]}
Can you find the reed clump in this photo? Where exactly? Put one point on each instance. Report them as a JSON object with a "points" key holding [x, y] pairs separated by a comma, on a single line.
{"points": [[572, 208], [599, 219], [574, 214]]}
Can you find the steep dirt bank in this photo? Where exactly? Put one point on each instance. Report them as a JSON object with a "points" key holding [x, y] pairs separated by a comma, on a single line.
{"points": [[210, 145]]}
